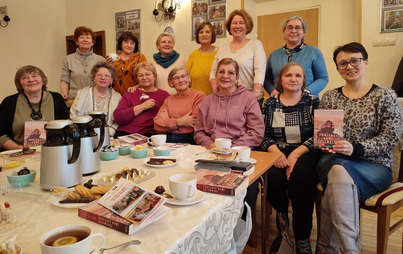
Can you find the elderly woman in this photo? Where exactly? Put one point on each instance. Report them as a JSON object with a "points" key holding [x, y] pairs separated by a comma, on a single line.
{"points": [[248, 53], [33, 102], [136, 110], [295, 50], [178, 113], [77, 67], [230, 112], [100, 97], [200, 60], [128, 58], [289, 118], [165, 60], [358, 166]]}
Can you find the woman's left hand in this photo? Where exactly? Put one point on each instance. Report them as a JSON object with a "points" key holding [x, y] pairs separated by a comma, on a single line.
{"points": [[342, 147], [292, 159]]}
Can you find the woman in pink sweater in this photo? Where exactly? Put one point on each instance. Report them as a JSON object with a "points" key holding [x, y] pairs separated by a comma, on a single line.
{"points": [[177, 115]]}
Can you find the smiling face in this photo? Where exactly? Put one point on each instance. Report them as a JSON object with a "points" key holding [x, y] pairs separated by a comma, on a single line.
{"points": [[227, 78], [205, 35], [128, 46], [180, 81], [145, 78], [351, 73], [31, 82], [294, 32], [292, 80], [103, 78], [166, 45], [85, 42], [238, 27]]}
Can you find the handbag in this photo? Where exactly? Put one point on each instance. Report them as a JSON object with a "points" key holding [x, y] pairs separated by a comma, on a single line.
{"points": [[282, 243]]}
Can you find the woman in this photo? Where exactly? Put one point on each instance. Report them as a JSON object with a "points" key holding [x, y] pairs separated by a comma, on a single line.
{"points": [[248, 53], [33, 102], [360, 165], [295, 50], [200, 60], [77, 67], [165, 60], [100, 97], [178, 113], [229, 112], [288, 118], [136, 110], [128, 58]]}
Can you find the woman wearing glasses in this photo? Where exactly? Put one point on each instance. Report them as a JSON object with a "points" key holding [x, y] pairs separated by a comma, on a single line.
{"points": [[178, 113], [295, 50], [360, 165], [136, 110], [100, 97]]}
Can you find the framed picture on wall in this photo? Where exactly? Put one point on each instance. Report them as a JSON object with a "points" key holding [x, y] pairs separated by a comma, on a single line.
{"points": [[392, 16], [213, 11], [128, 21], [196, 21]]}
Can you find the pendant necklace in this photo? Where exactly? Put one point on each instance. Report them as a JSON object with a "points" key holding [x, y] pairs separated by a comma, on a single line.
{"points": [[102, 96], [35, 115]]}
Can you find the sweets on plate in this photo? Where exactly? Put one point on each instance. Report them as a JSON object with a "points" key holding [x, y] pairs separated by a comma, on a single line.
{"points": [[159, 189], [161, 161], [6, 214], [80, 194]]}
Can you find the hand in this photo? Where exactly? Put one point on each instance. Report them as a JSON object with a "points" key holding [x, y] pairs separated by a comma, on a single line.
{"points": [[187, 120], [132, 89], [108, 60], [274, 92], [342, 147], [256, 93], [64, 95], [292, 159], [281, 162], [148, 104]]}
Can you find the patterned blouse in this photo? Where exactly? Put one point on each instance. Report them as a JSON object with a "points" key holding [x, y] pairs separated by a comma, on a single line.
{"points": [[125, 72], [289, 126], [371, 123]]}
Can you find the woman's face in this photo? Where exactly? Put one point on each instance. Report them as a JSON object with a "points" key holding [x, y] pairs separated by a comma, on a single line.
{"points": [[166, 45], [31, 82], [85, 42], [128, 46], [205, 35], [351, 73], [103, 78], [238, 27], [294, 32], [180, 81], [145, 78], [292, 80], [226, 76]]}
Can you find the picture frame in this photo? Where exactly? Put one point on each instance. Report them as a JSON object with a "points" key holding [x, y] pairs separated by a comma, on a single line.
{"points": [[213, 11], [391, 16], [196, 21]]}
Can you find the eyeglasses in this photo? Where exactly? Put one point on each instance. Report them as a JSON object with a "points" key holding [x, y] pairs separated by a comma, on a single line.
{"points": [[353, 62], [99, 75], [229, 73], [297, 28], [176, 78], [148, 74]]}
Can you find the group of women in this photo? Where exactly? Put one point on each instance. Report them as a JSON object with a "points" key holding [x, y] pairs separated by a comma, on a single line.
{"points": [[218, 94]]}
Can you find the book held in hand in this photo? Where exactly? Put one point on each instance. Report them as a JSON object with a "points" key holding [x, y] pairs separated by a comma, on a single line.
{"points": [[328, 127], [224, 183]]}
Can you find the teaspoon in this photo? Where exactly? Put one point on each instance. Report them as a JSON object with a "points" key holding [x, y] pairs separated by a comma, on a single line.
{"points": [[117, 246]]}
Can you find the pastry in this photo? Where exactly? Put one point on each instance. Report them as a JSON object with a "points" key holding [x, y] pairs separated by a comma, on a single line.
{"points": [[159, 189], [100, 190], [84, 191], [5, 213], [160, 161]]}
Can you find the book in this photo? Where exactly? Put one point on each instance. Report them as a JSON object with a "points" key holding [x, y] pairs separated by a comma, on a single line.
{"points": [[328, 127], [219, 182], [135, 139], [132, 202], [34, 133], [97, 213]]}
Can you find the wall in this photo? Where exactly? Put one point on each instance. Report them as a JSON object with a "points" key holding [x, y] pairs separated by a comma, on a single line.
{"points": [[34, 36]]}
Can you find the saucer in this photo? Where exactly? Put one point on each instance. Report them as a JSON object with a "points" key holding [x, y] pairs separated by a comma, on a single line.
{"points": [[196, 199]]}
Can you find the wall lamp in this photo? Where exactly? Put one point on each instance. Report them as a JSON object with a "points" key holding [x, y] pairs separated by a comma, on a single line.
{"points": [[6, 18], [165, 10]]}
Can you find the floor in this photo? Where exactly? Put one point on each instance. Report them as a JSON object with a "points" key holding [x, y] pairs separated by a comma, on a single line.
{"points": [[368, 234]]}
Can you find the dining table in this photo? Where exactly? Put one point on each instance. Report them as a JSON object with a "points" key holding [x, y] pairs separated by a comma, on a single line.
{"points": [[203, 226]]}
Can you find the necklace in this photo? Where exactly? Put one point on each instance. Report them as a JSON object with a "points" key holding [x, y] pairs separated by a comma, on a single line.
{"points": [[35, 115], [102, 96]]}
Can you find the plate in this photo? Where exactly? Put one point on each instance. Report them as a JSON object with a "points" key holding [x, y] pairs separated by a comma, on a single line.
{"points": [[70, 205], [196, 199], [160, 166], [251, 160]]}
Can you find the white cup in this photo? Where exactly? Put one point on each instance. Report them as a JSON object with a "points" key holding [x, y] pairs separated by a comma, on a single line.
{"points": [[82, 246], [221, 143], [157, 140], [241, 153], [113, 56], [183, 186]]}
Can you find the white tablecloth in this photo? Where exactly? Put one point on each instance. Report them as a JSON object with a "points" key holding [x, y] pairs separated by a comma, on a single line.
{"points": [[205, 227]]}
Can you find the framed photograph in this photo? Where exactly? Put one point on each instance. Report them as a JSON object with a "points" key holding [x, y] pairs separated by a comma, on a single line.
{"points": [[216, 11], [219, 28], [120, 23], [391, 16], [199, 8], [128, 21], [391, 3], [196, 21]]}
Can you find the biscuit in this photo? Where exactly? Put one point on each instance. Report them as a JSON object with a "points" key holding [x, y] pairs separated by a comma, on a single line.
{"points": [[84, 191], [100, 190]]}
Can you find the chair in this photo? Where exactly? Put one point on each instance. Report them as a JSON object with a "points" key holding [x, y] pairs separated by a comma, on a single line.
{"points": [[383, 204], [69, 103]]}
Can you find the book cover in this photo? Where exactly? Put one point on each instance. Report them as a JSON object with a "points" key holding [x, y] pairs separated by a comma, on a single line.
{"points": [[95, 212], [135, 139], [225, 183], [34, 133], [328, 127], [131, 201]]}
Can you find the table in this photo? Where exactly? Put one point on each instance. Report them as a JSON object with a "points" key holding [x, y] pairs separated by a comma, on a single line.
{"points": [[200, 228]]}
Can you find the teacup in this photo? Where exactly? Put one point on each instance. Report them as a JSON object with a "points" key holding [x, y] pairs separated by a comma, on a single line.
{"points": [[221, 143], [183, 186], [241, 153], [113, 56], [83, 244], [157, 140]]}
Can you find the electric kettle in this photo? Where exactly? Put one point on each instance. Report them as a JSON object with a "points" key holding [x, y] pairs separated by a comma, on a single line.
{"points": [[102, 116], [89, 160], [59, 154]]}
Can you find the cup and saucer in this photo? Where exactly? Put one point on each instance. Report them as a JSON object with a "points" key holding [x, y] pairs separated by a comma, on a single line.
{"points": [[183, 189]]}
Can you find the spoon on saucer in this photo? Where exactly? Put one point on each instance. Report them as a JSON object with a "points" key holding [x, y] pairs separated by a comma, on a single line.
{"points": [[117, 246], [166, 195]]}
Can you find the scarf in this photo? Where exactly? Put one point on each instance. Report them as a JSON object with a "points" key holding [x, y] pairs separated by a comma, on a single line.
{"points": [[294, 50], [166, 61]]}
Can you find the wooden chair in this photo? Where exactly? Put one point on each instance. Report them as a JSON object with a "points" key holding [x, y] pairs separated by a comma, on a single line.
{"points": [[69, 103], [383, 204]]}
